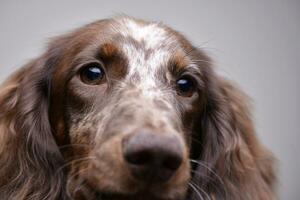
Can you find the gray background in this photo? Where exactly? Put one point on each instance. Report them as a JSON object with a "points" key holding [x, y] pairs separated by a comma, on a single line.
{"points": [[255, 43]]}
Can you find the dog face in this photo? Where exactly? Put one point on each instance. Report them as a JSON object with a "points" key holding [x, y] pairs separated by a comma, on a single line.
{"points": [[127, 109], [125, 100]]}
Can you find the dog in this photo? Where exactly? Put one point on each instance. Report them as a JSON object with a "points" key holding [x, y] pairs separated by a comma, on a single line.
{"points": [[128, 109]]}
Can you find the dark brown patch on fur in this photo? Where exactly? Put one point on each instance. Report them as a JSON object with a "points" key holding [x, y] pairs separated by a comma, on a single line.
{"points": [[114, 60]]}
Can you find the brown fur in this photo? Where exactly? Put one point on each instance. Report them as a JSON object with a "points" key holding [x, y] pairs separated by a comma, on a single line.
{"points": [[50, 122]]}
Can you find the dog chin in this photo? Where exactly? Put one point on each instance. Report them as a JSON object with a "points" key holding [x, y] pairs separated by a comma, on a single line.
{"points": [[136, 190], [142, 194]]}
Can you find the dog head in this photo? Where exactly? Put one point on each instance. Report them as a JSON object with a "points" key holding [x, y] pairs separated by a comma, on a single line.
{"points": [[128, 109]]}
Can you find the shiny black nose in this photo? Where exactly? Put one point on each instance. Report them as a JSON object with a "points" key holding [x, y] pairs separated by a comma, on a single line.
{"points": [[152, 157]]}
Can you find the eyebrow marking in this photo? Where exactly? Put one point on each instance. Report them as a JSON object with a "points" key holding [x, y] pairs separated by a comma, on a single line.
{"points": [[178, 62], [108, 50], [114, 60]]}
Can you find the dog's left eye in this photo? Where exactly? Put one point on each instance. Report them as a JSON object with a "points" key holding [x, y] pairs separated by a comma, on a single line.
{"points": [[92, 74], [185, 86]]}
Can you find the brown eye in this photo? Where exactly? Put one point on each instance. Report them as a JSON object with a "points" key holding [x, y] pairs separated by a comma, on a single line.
{"points": [[185, 86], [92, 74]]}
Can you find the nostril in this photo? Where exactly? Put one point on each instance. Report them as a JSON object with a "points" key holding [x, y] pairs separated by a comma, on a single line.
{"points": [[173, 162], [138, 157]]}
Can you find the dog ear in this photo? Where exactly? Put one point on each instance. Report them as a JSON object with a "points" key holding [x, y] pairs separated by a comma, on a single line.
{"points": [[29, 156], [237, 165]]}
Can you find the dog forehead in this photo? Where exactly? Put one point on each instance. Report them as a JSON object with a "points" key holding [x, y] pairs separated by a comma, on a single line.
{"points": [[146, 46], [151, 34]]}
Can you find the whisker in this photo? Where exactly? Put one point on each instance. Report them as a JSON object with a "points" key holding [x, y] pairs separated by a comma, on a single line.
{"points": [[214, 173], [199, 188], [208, 168], [74, 161], [202, 175], [81, 186], [195, 189], [70, 180]]}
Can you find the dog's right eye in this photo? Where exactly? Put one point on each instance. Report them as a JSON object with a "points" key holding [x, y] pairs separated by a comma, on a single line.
{"points": [[185, 86], [92, 74]]}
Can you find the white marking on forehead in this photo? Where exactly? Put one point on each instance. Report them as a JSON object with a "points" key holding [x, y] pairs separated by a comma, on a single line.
{"points": [[147, 70], [152, 34], [153, 37]]}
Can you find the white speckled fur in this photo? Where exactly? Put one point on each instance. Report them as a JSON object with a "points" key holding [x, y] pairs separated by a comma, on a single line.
{"points": [[151, 36]]}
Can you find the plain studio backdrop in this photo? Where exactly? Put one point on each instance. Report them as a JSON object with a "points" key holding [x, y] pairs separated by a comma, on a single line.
{"points": [[254, 43]]}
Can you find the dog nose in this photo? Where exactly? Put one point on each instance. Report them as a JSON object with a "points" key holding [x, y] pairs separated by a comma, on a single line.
{"points": [[152, 157]]}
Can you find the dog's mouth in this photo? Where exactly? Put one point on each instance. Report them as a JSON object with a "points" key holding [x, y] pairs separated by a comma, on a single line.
{"points": [[147, 166]]}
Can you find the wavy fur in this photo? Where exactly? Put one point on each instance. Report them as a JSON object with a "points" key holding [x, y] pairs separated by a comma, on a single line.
{"points": [[229, 164]]}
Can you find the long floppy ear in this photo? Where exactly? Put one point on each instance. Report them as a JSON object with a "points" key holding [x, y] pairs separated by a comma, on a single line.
{"points": [[233, 164], [29, 156]]}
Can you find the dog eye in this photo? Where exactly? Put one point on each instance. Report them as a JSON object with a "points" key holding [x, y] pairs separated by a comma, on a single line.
{"points": [[92, 74], [185, 86]]}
